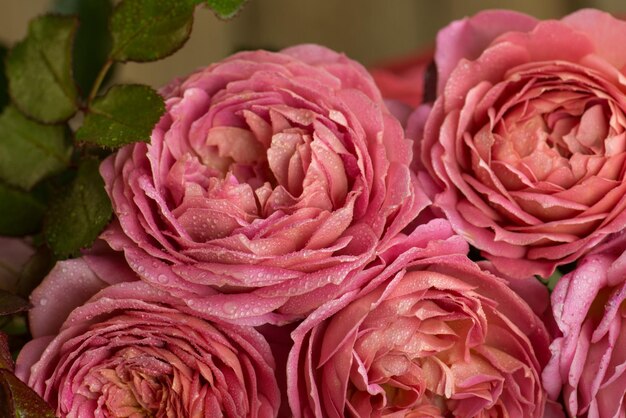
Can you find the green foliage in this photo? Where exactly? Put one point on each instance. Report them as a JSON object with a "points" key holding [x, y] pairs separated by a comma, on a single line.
{"points": [[76, 219], [39, 70], [11, 304], [16, 398], [93, 41], [4, 88], [225, 9], [30, 151], [554, 279], [148, 30], [6, 362], [36, 268], [125, 114], [20, 212], [22, 401]]}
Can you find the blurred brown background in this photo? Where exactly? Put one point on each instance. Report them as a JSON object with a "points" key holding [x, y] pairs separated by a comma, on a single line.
{"points": [[370, 31]]}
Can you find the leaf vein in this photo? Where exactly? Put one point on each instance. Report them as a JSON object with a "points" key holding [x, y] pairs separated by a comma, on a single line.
{"points": [[113, 119], [57, 78]]}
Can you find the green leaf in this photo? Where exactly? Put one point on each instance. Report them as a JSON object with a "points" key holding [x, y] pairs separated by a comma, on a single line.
{"points": [[4, 88], [20, 212], [23, 402], [16, 327], [30, 151], [49, 188], [34, 271], [125, 114], [6, 403], [6, 361], [554, 279], [225, 9], [11, 304], [93, 41], [39, 70], [76, 219], [148, 30]]}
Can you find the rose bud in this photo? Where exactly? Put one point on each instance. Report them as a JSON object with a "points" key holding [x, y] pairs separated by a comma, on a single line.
{"points": [[271, 180], [526, 143], [588, 358], [131, 350], [432, 336]]}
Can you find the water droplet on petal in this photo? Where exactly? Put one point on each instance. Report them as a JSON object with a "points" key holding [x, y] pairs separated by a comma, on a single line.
{"points": [[229, 308]]}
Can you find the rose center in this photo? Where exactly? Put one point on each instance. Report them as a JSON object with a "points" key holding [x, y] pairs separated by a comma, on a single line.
{"points": [[564, 131], [133, 383], [236, 151], [544, 129]]}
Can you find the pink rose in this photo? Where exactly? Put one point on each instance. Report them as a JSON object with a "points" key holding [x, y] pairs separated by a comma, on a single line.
{"points": [[132, 351], [526, 141], [432, 336], [271, 180], [588, 361]]}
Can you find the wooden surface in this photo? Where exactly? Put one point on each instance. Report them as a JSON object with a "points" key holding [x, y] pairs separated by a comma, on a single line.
{"points": [[367, 30]]}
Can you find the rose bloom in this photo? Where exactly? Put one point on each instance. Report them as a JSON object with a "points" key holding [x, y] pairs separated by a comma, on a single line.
{"points": [[269, 182], [133, 351], [589, 357], [433, 335], [526, 141]]}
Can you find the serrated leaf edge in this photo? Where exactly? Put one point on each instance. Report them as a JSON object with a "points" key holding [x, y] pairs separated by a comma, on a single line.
{"points": [[93, 111], [56, 76], [172, 52]]}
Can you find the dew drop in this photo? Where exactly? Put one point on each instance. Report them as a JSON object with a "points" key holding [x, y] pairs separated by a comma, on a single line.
{"points": [[162, 278], [43, 302], [229, 308], [124, 209]]}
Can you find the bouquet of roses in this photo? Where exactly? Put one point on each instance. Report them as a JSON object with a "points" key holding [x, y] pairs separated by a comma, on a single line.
{"points": [[287, 234]]}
